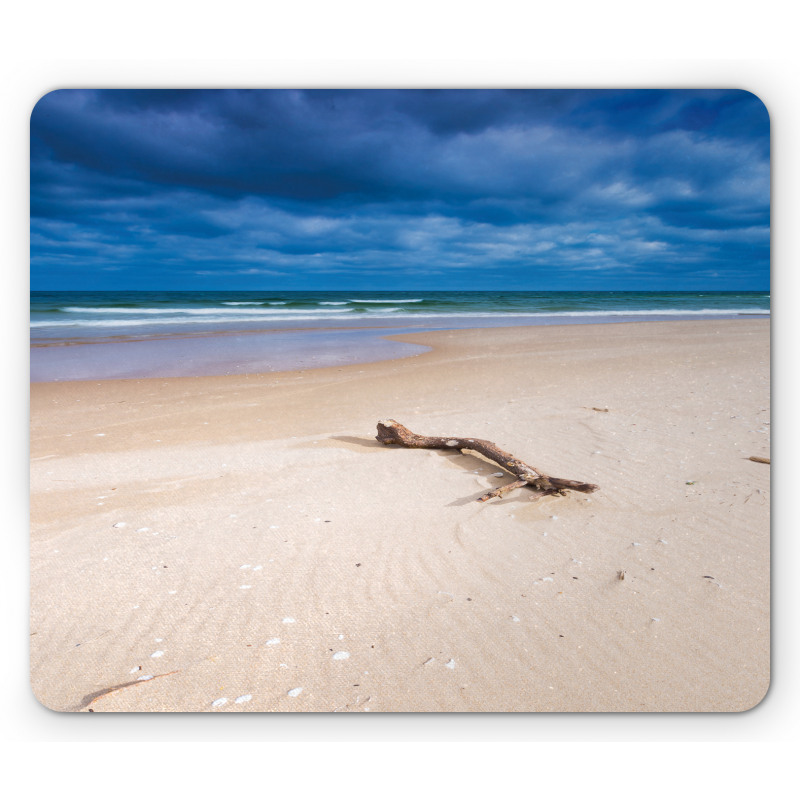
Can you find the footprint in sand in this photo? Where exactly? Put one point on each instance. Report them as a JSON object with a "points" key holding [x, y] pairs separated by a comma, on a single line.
{"points": [[244, 698], [295, 692], [220, 702], [341, 655]]}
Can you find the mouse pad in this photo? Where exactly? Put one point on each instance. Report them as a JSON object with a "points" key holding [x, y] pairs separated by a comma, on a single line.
{"points": [[400, 400]]}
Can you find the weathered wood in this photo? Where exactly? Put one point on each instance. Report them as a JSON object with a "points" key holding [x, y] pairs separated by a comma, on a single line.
{"points": [[392, 432], [759, 459]]}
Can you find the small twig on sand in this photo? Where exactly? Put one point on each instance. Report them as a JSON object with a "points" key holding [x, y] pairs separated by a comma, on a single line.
{"points": [[392, 432], [90, 698]]}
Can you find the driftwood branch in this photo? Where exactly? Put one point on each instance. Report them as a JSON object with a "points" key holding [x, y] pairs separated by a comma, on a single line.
{"points": [[392, 432]]}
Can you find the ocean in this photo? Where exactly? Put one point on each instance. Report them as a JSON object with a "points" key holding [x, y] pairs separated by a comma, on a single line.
{"points": [[133, 334]]}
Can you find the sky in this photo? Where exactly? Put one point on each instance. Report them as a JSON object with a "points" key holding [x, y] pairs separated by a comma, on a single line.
{"points": [[400, 189]]}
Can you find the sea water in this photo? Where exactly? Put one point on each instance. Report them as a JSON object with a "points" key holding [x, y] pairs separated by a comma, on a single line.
{"points": [[131, 334]]}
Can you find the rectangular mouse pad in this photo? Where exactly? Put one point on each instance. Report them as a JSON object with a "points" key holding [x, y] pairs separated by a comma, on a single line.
{"points": [[400, 400]]}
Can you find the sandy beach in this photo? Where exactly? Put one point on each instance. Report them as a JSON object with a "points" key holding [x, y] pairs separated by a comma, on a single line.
{"points": [[242, 543]]}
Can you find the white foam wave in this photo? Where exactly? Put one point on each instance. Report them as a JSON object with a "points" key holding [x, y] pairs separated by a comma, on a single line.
{"points": [[707, 312], [208, 320], [287, 315], [200, 312], [405, 313], [334, 302], [242, 303], [418, 300], [650, 312]]}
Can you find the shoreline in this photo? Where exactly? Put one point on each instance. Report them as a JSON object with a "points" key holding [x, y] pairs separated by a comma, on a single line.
{"points": [[249, 500], [295, 349]]}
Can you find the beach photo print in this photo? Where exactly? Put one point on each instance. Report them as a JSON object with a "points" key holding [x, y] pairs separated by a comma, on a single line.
{"points": [[400, 400]]}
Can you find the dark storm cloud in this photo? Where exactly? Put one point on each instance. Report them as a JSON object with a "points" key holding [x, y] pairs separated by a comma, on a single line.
{"points": [[635, 188]]}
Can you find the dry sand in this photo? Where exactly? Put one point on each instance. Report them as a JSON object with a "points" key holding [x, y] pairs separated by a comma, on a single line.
{"points": [[245, 538]]}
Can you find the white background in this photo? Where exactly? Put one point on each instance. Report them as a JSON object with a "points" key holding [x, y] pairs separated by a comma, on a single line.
{"points": [[44, 46]]}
